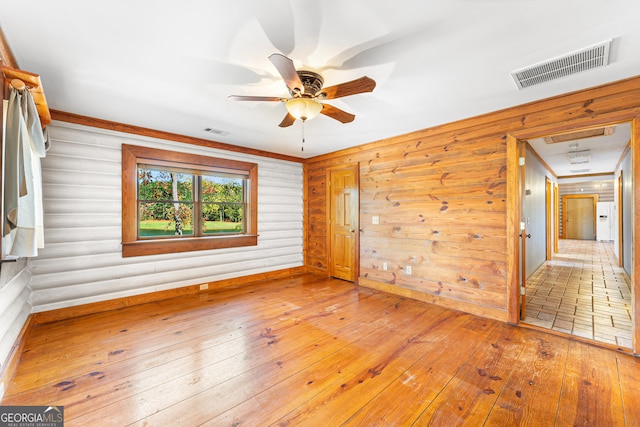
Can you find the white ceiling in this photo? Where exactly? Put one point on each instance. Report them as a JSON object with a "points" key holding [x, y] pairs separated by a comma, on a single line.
{"points": [[604, 152], [170, 65]]}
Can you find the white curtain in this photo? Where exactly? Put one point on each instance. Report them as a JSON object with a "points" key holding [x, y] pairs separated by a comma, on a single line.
{"points": [[24, 146]]}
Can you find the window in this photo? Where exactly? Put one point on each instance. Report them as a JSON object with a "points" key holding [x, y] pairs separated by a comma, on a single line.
{"points": [[178, 202]]}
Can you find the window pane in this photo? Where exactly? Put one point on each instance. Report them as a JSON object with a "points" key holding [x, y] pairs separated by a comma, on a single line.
{"points": [[165, 219], [164, 185], [223, 218], [222, 189], [161, 207], [222, 205]]}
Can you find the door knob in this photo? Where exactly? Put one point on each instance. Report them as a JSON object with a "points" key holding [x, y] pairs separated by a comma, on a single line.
{"points": [[352, 230]]}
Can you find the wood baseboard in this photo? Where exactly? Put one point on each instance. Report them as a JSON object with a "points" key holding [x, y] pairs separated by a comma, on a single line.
{"points": [[11, 363], [491, 313], [317, 270], [113, 304]]}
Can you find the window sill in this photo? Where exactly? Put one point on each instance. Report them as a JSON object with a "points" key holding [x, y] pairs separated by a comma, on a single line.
{"points": [[186, 244]]}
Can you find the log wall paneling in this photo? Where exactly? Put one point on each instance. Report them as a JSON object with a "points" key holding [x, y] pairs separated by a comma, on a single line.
{"points": [[441, 195], [14, 310], [82, 262]]}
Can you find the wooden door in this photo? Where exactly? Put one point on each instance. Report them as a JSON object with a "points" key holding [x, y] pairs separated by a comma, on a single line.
{"points": [[343, 196], [580, 218]]}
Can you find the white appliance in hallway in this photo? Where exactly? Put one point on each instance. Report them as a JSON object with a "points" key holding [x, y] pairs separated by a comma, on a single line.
{"points": [[604, 220]]}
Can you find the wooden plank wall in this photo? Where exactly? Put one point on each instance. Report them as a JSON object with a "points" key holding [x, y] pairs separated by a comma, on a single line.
{"points": [[441, 194], [82, 262], [604, 189]]}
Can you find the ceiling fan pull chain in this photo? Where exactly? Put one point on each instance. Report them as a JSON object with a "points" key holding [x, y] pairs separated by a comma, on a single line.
{"points": [[302, 147]]}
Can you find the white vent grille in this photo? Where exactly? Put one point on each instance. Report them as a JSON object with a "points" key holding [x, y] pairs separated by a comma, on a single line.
{"points": [[578, 157], [217, 131], [584, 59]]}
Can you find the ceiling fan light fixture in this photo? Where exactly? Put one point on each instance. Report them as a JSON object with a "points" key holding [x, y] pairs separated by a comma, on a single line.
{"points": [[303, 108]]}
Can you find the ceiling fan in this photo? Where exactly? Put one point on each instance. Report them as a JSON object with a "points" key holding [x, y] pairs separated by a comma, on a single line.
{"points": [[306, 92]]}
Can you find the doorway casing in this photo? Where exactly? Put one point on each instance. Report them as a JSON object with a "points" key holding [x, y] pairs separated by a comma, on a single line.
{"points": [[514, 209]]}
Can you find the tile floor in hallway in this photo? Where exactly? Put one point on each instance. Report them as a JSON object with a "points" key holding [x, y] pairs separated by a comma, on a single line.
{"points": [[582, 291]]}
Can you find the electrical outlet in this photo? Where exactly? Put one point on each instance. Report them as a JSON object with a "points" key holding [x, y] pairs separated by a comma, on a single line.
{"points": [[384, 266], [204, 286], [407, 270]]}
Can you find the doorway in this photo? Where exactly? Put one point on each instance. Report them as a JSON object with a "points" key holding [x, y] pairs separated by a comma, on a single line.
{"points": [[581, 269]]}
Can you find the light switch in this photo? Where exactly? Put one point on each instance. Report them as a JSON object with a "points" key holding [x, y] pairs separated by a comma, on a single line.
{"points": [[375, 219]]}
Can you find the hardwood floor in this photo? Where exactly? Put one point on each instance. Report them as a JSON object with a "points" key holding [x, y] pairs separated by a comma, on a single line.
{"points": [[309, 350]]}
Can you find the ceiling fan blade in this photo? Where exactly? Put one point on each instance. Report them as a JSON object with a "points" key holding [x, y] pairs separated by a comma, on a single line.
{"points": [[287, 121], [255, 98], [336, 113], [361, 85], [288, 72], [277, 21]]}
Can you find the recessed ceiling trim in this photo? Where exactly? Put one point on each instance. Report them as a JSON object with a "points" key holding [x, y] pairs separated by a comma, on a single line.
{"points": [[584, 59]]}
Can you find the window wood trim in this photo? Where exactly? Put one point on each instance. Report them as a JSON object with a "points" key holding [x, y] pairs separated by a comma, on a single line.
{"points": [[132, 246]]}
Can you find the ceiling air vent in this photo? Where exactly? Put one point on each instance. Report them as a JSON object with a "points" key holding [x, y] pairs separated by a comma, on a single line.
{"points": [[580, 170], [217, 131], [582, 60]]}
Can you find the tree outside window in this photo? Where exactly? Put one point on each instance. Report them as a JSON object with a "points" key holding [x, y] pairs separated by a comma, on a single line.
{"points": [[171, 202]]}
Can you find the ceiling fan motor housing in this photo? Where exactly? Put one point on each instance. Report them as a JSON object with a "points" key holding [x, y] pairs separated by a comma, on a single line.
{"points": [[311, 81]]}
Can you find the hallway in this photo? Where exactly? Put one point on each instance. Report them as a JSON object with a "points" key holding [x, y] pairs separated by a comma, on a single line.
{"points": [[582, 292]]}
